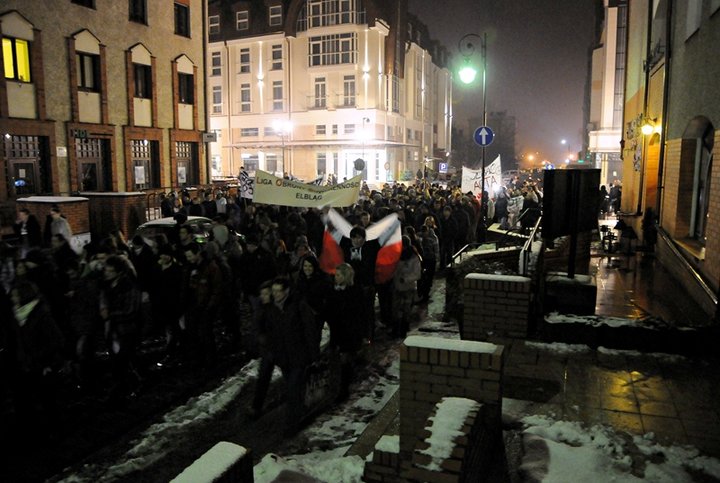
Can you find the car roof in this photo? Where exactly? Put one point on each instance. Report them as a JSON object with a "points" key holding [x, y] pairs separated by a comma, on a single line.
{"points": [[169, 220]]}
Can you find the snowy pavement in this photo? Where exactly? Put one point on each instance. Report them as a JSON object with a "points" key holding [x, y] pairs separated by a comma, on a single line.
{"points": [[557, 449]]}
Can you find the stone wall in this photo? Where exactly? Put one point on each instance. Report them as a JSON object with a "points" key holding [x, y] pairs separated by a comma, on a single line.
{"points": [[111, 211]]}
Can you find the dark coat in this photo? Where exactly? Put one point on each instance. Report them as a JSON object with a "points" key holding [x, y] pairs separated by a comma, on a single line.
{"points": [[33, 236], [344, 315], [365, 267], [39, 341], [289, 333]]}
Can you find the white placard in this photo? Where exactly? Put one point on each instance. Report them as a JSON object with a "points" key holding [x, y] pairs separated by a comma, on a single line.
{"points": [[61, 151], [139, 174], [182, 174]]}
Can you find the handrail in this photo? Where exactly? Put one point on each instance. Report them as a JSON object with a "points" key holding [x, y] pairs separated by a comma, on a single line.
{"points": [[527, 247], [506, 235]]}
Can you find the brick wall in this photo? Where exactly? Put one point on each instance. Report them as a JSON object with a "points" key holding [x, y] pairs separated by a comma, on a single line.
{"points": [[385, 464], [75, 210], [712, 230], [469, 457], [432, 368], [111, 211], [497, 305]]}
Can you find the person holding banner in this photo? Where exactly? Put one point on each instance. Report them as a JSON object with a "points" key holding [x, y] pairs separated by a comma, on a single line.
{"points": [[361, 255]]}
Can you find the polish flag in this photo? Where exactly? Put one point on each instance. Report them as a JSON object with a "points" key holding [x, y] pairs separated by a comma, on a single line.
{"points": [[386, 231]]}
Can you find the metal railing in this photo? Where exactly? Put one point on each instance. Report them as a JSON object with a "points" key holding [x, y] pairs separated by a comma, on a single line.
{"points": [[516, 234], [526, 250]]}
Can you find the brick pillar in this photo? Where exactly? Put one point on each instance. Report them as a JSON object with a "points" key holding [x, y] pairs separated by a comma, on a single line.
{"points": [[495, 305], [432, 368], [74, 208], [223, 463], [111, 211]]}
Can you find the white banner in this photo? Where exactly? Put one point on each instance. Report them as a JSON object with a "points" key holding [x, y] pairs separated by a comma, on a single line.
{"points": [[272, 190], [471, 178]]}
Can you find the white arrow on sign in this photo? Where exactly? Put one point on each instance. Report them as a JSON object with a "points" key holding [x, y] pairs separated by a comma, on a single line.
{"points": [[483, 135]]}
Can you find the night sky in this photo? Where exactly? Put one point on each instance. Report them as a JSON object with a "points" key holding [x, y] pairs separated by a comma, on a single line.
{"points": [[538, 54]]}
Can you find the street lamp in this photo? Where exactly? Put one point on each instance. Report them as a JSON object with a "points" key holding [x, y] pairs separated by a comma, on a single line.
{"points": [[283, 129], [467, 74]]}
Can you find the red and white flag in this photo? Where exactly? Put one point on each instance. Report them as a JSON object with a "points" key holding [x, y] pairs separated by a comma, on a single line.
{"points": [[386, 231]]}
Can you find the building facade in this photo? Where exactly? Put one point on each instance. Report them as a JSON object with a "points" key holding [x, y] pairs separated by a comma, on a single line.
{"points": [[101, 96], [607, 84], [671, 137], [308, 87]]}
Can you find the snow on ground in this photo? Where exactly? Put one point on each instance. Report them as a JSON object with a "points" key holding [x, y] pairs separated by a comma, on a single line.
{"points": [[562, 451], [599, 320], [567, 450]]}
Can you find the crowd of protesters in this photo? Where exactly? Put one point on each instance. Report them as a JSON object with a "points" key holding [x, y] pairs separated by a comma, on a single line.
{"points": [[62, 310]]}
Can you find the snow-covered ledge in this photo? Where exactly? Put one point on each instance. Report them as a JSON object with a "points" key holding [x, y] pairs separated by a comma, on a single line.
{"points": [[223, 462]]}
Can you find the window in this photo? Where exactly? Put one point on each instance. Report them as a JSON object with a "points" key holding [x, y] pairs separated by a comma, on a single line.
{"points": [[244, 61], [245, 103], [349, 128], [277, 96], [320, 129], [88, 72], [182, 20], [242, 20], [216, 64], [320, 93], [143, 81], [395, 93], [323, 13], [349, 91], [186, 88], [275, 15], [217, 99], [277, 57], [249, 132], [271, 163], [85, 3], [138, 11], [321, 164], [332, 49], [214, 24], [269, 131], [409, 134], [334, 128], [16, 57]]}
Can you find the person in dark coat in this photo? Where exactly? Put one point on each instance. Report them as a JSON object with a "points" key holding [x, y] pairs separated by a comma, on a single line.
{"points": [[361, 254], [448, 234], [166, 287], [286, 330], [38, 359], [344, 315], [120, 308], [27, 228], [258, 265]]}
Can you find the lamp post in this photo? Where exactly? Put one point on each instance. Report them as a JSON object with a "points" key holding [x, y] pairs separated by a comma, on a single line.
{"points": [[282, 129], [467, 75]]}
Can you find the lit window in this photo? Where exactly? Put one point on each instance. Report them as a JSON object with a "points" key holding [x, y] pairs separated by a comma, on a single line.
{"points": [[249, 132], [320, 93], [242, 19], [349, 128], [333, 49], [320, 129], [16, 55]]}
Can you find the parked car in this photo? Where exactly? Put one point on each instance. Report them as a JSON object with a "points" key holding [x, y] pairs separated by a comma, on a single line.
{"points": [[155, 232]]}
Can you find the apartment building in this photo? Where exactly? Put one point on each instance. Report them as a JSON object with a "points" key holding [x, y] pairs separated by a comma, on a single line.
{"points": [[670, 138], [101, 96], [309, 87], [607, 84]]}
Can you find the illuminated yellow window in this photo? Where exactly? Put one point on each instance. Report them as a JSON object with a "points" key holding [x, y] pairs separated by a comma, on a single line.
{"points": [[8, 58], [16, 59]]}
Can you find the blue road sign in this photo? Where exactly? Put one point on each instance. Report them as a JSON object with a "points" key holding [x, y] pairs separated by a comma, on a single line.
{"points": [[442, 167], [483, 136]]}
